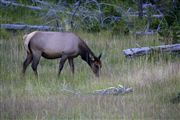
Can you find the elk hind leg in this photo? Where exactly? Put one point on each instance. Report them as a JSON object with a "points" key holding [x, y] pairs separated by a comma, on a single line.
{"points": [[26, 62], [35, 62]]}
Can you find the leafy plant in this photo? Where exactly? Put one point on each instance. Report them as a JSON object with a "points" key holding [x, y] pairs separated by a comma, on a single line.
{"points": [[170, 26], [120, 28]]}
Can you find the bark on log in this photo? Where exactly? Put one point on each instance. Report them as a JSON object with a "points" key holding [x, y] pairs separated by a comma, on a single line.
{"points": [[7, 3], [132, 52], [119, 90], [145, 33], [29, 27], [155, 15]]}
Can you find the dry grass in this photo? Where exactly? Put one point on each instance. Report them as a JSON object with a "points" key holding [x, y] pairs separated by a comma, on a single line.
{"points": [[154, 79]]}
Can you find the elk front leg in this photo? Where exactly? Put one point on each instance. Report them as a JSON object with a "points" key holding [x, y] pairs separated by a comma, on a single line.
{"points": [[61, 64], [71, 63]]}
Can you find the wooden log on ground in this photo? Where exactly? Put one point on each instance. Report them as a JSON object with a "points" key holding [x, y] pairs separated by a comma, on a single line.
{"points": [[155, 15], [8, 3], [132, 52], [27, 27], [119, 90], [145, 33]]}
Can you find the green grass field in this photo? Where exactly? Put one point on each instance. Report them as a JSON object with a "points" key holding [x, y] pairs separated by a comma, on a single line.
{"points": [[155, 80]]}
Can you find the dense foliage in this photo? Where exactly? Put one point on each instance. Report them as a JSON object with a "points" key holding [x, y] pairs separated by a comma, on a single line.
{"points": [[117, 16], [171, 22]]}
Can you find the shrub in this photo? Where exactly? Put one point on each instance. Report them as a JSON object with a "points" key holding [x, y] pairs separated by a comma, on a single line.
{"points": [[170, 34], [120, 28], [154, 24], [90, 25]]}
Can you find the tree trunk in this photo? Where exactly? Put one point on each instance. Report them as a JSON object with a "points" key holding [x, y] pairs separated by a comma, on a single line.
{"points": [[7, 3], [27, 27], [140, 6], [132, 52]]}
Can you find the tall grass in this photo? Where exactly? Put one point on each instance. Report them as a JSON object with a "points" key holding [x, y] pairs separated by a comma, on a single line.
{"points": [[154, 79]]}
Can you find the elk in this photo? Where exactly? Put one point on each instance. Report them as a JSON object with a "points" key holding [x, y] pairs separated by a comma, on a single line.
{"points": [[53, 45]]}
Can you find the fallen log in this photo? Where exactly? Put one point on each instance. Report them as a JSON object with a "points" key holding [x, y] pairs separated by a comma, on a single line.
{"points": [[119, 90], [145, 33], [155, 15], [27, 27], [132, 52], [41, 2], [8, 3]]}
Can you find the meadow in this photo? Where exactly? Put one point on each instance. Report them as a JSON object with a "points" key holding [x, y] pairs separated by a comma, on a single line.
{"points": [[155, 80]]}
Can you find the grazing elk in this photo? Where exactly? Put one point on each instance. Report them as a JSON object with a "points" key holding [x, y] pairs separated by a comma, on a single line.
{"points": [[52, 45]]}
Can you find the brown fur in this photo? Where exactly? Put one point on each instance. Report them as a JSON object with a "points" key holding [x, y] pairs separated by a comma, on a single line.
{"points": [[52, 45]]}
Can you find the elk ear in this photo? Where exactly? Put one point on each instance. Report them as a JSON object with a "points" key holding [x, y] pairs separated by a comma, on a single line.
{"points": [[99, 57]]}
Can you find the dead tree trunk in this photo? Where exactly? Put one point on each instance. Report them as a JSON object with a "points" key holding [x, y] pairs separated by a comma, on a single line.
{"points": [[27, 27], [132, 52], [140, 6], [8, 3]]}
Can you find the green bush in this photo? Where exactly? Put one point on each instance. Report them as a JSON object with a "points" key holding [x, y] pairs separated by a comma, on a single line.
{"points": [[120, 28], [169, 34], [154, 24], [110, 10], [176, 32], [138, 24], [91, 25], [94, 28], [18, 15]]}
